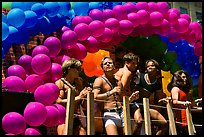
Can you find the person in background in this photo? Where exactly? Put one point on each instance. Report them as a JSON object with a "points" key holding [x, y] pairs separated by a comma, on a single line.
{"points": [[71, 69]]}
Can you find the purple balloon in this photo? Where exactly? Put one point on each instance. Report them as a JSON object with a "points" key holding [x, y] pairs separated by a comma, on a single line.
{"points": [[52, 116], [32, 82], [41, 63], [68, 39], [46, 77], [45, 95], [13, 123], [56, 72], [96, 14], [40, 49], [113, 24], [17, 70], [82, 30], [97, 28], [62, 113], [54, 45], [65, 28], [35, 114], [32, 131], [14, 84], [25, 62]]}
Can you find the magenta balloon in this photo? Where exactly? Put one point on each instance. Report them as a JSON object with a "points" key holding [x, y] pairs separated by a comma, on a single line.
{"points": [[45, 95], [198, 49], [32, 82], [41, 63], [56, 72], [55, 88], [53, 116], [81, 53], [92, 44], [13, 123], [68, 39], [14, 84], [165, 26], [130, 7], [97, 28], [126, 27], [96, 14], [108, 13], [40, 49], [87, 19], [173, 36], [17, 70], [54, 46], [25, 62], [113, 24], [35, 114], [65, 28], [156, 18], [107, 36], [195, 26], [143, 16], [76, 20], [163, 7], [32, 131], [173, 18], [182, 25], [152, 7], [175, 10], [120, 12], [46, 77], [82, 30], [134, 18], [60, 59], [186, 16], [142, 6], [62, 113]]}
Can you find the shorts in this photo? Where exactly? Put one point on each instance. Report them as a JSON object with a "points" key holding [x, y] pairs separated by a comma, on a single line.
{"points": [[114, 118]]}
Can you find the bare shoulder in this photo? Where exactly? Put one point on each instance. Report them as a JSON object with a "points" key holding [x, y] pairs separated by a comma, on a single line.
{"points": [[118, 75], [175, 89]]}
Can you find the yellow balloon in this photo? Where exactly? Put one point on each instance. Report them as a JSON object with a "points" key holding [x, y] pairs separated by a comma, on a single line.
{"points": [[165, 81]]}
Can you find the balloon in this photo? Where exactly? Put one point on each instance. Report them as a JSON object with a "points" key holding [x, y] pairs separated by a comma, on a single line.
{"points": [[54, 46], [60, 59], [2, 53], [55, 88], [46, 77], [35, 114], [126, 27], [62, 113], [52, 8], [13, 123], [120, 12], [97, 28], [96, 14], [32, 82], [41, 63], [45, 95], [175, 10], [64, 7], [142, 6], [6, 5], [198, 49], [165, 26], [173, 18], [82, 30], [5, 31], [107, 35], [25, 62], [89, 66], [170, 57], [65, 28], [14, 84], [143, 16], [39, 9], [68, 39], [40, 49], [17, 70], [134, 18], [4, 18], [173, 36], [163, 7], [195, 26], [56, 72], [81, 8], [92, 45], [53, 116], [89, 73], [32, 131], [16, 17], [113, 24], [186, 16], [130, 7], [87, 19], [81, 19], [108, 13], [13, 34], [156, 18], [152, 7]]}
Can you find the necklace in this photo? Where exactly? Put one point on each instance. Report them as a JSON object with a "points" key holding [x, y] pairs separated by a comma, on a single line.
{"points": [[149, 83]]}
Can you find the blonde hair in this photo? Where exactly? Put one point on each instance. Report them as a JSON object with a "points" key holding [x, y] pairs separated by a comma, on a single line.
{"points": [[70, 63]]}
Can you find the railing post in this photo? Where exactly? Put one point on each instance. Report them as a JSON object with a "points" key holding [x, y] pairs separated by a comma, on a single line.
{"points": [[90, 114], [191, 128], [126, 110], [147, 116]]}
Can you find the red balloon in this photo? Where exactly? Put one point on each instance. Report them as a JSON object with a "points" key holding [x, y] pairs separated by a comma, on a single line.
{"points": [[79, 51], [97, 28], [76, 20], [52, 116], [182, 25], [40, 49], [173, 18], [82, 30], [17, 70], [14, 84], [165, 26], [198, 49], [113, 24], [32, 82], [126, 27], [68, 39]]}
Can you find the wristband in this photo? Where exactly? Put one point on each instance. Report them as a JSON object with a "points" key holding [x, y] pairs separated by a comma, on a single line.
{"points": [[108, 93]]}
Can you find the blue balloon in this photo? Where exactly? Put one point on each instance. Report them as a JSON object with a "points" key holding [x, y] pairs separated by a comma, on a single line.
{"points": [[31, 19], [44, 26], [52, 8], [94, 5], [64, 8], [23, 37], [57, 22], [71, 14], [5, 31], [2, 55], [6, 45], [39, 9], [81, 8], [22, 5], [16, 17], [4, 18], [13, 34]]}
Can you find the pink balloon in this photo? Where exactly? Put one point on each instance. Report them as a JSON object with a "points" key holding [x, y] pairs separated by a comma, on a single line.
{"points": [[41, 63], [152, 7], [32, 82], [68, 39], [79, 51], [96, 14], [173, 18], [82, 30], [56, 72], [108, 13], [142, 6], [60, 59], [134, 18], [189, 36], [126, 27], [120, 12], [17, 70], [40, 49], [97, 28], [156, 18], [25, 62], [35, 114], [46, 77], [76, 20], [143, 16], [130, 7], [13, 123], [32, 131], [55, 88], [164, 27], [186, 16], [116, 38], [91, 44], [182, 25], [53, 116], [175, 10], [163, 7], [87, 19], [62, 113], [54, 46], [198, 49], [113, 24], [14, 84], [65, 28], [195, 26], [107, 36]]}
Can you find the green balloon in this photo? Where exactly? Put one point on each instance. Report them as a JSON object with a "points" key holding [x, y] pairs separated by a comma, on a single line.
{"points": [[170, 57], [6, 5], [175, 67], [72, 5]]}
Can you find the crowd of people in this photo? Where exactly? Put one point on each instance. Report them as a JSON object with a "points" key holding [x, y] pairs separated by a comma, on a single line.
{"points": [[126, 81]]}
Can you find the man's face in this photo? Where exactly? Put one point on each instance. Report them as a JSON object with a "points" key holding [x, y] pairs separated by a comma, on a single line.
{"points": [[108, 65], [132, 66]]}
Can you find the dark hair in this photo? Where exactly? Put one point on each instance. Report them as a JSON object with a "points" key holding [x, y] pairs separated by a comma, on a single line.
{"points": [[177, 81], [154, 62], [70, 63], [130, 57]]}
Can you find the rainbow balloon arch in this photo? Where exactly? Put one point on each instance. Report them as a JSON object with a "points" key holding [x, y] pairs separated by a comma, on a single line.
{"points": [[84, 30]]}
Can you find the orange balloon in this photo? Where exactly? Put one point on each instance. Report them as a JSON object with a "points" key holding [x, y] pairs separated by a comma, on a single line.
{"points": [[98, 71], [89, 66], [89, 73], [89, 57]]}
